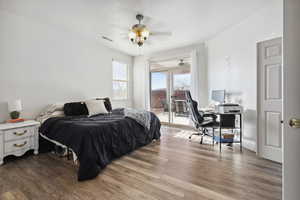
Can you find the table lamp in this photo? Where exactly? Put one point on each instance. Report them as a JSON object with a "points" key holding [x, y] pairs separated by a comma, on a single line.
{"points": [[14, 108]]}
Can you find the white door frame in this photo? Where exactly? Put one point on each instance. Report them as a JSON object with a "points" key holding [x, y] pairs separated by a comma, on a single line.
{"points": [[291, 152]]}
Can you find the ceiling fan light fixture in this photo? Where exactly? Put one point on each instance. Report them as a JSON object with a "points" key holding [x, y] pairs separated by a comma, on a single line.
{"points": [[138, 36], [132, 36], [145, 33], [139, 33], [140, 43]]}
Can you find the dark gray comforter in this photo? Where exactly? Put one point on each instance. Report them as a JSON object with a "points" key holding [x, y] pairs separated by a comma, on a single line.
{"points": [[99, 139]]}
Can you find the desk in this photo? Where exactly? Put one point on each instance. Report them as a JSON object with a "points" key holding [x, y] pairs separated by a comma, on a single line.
{"points": [[240, 128]]}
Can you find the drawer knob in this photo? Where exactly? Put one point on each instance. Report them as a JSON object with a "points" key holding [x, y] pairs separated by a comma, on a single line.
{"points": [[20, 134], [20, 145]]}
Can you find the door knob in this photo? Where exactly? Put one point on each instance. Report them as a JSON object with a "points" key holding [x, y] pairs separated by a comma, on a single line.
{"points": [[294, 123]]}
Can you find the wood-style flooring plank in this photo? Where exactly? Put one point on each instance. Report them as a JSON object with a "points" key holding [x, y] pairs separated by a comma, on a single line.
{"points": [[173, 168]]}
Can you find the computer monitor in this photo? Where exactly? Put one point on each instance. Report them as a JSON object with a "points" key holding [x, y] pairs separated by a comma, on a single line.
{"points": [[218, 96]]}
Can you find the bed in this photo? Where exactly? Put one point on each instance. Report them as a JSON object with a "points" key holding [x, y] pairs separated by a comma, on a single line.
{"points": [[99, 139]]}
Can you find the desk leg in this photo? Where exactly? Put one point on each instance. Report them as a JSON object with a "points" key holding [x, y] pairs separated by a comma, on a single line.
{"points": [[241, 133], [213, 137], [220, 139]]}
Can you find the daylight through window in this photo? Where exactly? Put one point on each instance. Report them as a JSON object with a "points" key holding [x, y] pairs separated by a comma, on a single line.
{"points": [[120, 80]]}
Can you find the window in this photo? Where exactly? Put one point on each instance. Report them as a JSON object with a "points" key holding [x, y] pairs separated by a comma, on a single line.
{"points": [[120, 80], [182, 81]]}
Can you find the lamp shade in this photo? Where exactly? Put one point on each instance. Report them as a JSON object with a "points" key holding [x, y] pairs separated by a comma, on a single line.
{"points": [[15, 105]]}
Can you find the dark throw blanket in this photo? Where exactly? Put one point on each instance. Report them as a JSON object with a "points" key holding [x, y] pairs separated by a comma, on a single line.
{"points": [[99, 139]]}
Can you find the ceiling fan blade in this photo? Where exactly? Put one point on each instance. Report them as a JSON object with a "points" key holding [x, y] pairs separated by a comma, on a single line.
{"points": [[161, 33], [120, 27], [149, 42], [125, 37], [124, 34]]}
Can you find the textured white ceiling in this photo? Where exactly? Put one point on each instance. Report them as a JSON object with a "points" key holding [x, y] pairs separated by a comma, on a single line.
{"points": [[190, 21]]}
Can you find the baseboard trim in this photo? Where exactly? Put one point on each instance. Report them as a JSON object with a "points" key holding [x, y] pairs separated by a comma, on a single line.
{"points": [[249, 144]]}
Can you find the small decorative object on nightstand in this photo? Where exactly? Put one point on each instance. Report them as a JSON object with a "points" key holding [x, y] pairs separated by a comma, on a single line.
{"points": [[14, 108], [18, 138]]}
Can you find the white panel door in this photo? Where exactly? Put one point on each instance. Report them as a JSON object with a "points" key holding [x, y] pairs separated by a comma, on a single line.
{"points": [[291, 156], [270, 99]]}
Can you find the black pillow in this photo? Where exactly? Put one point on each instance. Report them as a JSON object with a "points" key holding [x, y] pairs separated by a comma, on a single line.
{"points": [[75, 109], [107, 104]]}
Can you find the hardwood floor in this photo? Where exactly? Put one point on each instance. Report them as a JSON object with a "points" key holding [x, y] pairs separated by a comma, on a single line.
{"points": [[171, 169]]}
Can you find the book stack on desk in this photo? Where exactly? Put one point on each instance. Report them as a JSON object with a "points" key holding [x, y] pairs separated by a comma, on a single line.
{"points": [[225, 138]]}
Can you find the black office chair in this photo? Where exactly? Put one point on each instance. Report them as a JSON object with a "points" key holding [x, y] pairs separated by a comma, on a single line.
{"points": [[201, 121]]}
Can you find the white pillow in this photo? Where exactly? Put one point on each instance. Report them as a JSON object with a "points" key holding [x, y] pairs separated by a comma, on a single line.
{"points": [[43, 117], [95, 107]]}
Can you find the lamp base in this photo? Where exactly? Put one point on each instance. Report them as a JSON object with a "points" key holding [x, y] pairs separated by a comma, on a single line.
{"points": [[14, 115]]}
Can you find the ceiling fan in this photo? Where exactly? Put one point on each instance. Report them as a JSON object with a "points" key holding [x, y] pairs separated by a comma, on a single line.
{"points": [[182, 63], [139, 33]]}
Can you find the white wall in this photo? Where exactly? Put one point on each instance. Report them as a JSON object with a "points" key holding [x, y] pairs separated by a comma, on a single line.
{"points": [[139, 85], [42, 64], [232, 61]]}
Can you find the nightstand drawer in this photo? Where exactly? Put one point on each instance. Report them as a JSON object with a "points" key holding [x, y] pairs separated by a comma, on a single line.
{"points": [[18, 145], [18, 133]]}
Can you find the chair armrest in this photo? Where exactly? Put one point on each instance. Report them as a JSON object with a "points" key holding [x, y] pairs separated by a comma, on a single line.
{"points": [[205, 122], [210, 115]]}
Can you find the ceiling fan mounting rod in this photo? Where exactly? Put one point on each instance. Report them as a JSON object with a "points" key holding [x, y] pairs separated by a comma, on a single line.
{"points": [[139, 17]]}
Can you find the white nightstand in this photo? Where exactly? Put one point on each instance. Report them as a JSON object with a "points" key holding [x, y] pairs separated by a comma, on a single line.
{"points": [[18, 138]]}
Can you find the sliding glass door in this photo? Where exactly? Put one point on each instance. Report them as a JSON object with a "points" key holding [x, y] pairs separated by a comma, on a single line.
{"points": [[180, 82], [168, 100], [159, 96]]}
